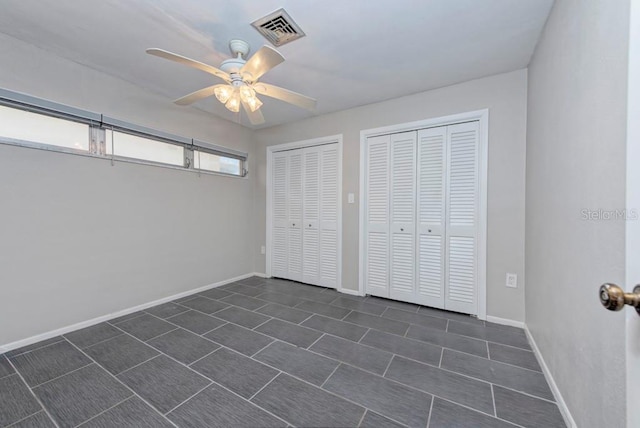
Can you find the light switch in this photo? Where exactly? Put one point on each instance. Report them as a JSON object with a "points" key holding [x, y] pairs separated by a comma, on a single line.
{"points": [[351, 198]]}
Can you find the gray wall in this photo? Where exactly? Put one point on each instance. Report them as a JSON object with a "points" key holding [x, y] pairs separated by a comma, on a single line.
{"points": [[576, 161], [80, 238], [505, 97]]}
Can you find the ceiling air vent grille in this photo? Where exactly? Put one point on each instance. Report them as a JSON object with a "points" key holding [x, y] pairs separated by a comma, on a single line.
{"points": [[278, 27]]}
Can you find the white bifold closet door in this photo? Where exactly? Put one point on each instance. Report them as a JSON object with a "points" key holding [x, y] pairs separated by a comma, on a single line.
{"points": [[421, 199], [305, 204]]}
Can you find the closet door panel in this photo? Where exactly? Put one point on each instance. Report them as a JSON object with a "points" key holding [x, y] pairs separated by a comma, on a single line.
{"points": [[376, 270], [403, 208], [311, 216], [280, 217], [329, 202], [431, 216], [462, 218], [295, 193]]}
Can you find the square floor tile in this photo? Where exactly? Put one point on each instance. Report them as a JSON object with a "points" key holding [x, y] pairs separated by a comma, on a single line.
{"points": [[48, 363], [297, 362], [416, 350], [81, 395], [323, 309], [284, 313], [203, 304], [378, 323], [5, 367], [358, 305], [216, 407], [236, 372], [337, 328], [196, 322], [16, 401], [163, 382], [121, 353], [416, 318], [239, 339], [514, 356], [245, 302], [39, 420], [292, 333], [183, 345], [374, 420], [132, 413], [215, 293], [451, 386], [445, 414], [166, 310], [242, 317], [513, 337], [92, 335], [146, 327], [525, 410], [399, 402], [358, 355], [449, 340], [304, 405], [513, 377]]}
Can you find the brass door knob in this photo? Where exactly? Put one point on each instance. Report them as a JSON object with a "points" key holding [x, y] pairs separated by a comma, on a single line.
{"points": [[614, 298]]}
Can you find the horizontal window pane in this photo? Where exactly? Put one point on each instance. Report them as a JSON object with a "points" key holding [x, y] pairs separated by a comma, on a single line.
{"points": [[131, 146], [37, 128], [216, 163]]}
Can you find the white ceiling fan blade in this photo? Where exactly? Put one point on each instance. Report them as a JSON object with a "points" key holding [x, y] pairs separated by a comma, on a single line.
{"points": [[285, 95], [190, 62], [262, 61], [256, 117], [197, 95]]}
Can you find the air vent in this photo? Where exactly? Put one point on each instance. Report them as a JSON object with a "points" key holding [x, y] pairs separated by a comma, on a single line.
{"points": [[278, 28]]}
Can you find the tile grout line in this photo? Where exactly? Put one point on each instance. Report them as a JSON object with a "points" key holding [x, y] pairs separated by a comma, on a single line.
{"points": [[190, 397], [388, 365], [124, 384], [14, 424], [316, 341], [493, 401], [259, 350], [205, 356], [58, 377], [441, 357], [42, 406], [137, 365], [62, 339], [259, 325], [433, 399], [102, 341], [104, 411], [362, 417], [264, 386], [331, 374]]}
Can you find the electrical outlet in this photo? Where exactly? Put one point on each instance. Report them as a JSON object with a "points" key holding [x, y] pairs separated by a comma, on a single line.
{"points": [[351, 198], [263, 250], [512, 280]]}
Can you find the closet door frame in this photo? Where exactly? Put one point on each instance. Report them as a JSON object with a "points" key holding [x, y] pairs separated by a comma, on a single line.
{"points": [[331, 139], [482, 117]]}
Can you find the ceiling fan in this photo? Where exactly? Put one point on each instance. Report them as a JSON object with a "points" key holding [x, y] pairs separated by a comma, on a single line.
{"points": [[241, 80]]}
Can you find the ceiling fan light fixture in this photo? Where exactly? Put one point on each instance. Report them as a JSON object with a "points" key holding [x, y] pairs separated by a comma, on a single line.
{"points": [[233, 104], [223, 93], [254, 103]]}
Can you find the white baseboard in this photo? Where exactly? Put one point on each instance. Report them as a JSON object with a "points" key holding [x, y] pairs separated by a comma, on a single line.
{"points": [[53, 333], [562, 405], [261, 275], [505, 321], [349, 291]]}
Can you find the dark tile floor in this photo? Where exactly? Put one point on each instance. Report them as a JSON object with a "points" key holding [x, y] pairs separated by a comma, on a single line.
{"points": [[277, 353]]}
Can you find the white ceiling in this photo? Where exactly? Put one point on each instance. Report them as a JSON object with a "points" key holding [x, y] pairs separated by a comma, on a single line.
{"points": [[355, 52]]}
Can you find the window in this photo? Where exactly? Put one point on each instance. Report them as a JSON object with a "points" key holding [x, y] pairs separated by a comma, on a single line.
{"points": [[216, 163], [131, 146], [33, 122], [38, 128]]}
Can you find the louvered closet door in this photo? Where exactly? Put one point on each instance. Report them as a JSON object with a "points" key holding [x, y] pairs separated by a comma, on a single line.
{"points": [[295, 192], [329, 202], [280, 217], [462, 218], [376, 269], [311, 216], [403, 208], [430, 264]]}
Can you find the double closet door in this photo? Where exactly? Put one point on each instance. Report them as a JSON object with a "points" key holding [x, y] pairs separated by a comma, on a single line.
{"points": [[305, 215], [421, 217]]}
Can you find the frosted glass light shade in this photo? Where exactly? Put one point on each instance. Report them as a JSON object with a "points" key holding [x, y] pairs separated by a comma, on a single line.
{"points": [[233, 103], [223, 93]]}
